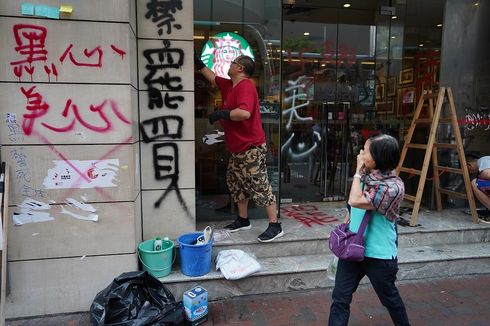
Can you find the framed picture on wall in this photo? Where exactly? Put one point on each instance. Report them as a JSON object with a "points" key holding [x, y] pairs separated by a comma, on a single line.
{"points": [[406, 102], [391, 86], [385, 107], [406, 76], [380, 91]]}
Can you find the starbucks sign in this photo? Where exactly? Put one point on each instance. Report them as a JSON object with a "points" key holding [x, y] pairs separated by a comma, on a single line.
{"points": [[222, 49]]}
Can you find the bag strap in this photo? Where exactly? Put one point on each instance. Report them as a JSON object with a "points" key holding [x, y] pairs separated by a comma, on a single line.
{"points": [[365, 221]]}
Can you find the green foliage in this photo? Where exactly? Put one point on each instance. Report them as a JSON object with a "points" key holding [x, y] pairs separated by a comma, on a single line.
{"points": [[297, 44]]}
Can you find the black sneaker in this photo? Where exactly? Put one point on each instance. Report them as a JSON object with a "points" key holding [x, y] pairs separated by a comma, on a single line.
{"points": [[274, 231], [239, 224]]}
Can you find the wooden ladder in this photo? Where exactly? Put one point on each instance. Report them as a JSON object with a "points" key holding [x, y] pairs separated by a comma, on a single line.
{"points": [[434, 119]]}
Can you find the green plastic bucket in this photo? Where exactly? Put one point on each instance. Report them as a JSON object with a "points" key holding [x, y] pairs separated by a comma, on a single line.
{"points": [[158, 263]]}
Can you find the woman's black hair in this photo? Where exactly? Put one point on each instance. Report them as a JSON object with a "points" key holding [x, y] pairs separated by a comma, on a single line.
{"points": [[385, 152]]}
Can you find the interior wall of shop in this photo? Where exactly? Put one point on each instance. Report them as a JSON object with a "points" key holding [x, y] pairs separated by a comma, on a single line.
{"points": [[59, 266]]}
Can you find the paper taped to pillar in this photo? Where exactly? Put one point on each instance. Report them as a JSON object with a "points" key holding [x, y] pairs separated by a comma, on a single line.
{"points": [[82, 174]]}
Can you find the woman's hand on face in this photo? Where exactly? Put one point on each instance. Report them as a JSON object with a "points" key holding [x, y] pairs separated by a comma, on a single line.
{"points": [[360, 161]]}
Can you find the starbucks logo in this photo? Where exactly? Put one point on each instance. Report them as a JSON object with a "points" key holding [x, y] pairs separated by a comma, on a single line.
{"points": [[222, 49]]}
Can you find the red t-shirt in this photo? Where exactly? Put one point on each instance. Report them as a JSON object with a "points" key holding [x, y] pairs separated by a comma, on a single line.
{"points": [[240, 135]]}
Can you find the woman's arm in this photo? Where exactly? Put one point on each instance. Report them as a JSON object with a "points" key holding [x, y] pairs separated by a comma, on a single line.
{"points": [[347, 217], [356, 196]]}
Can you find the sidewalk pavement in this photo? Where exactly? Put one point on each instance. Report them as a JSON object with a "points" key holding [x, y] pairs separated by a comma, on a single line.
{"points": [[451, 301]]}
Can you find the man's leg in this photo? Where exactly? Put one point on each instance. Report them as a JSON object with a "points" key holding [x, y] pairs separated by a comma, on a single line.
{"points": [[243, 208], [480, 195], [235, 185], [272, 213]]}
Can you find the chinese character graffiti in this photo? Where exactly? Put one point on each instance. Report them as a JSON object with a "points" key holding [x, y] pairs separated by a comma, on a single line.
{"points": [[162, 12]]}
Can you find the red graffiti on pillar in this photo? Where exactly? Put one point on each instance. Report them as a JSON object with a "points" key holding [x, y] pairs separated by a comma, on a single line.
{"points": [[31, 45], [35, 105], [93, 108], [118, 51], [97, 63], [38, 108], [31, 42], [50, 70]]}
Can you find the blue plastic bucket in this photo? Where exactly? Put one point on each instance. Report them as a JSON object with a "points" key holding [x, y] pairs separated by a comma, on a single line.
{"points": [[195, 258], [156, 262]]}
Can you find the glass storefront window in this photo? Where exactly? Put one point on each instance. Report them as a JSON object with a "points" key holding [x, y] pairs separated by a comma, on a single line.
{"points": [[328, 77], [227, 23]]}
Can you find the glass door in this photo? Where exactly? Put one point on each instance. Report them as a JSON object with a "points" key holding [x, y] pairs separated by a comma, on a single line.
{"points": [[328, 96]]}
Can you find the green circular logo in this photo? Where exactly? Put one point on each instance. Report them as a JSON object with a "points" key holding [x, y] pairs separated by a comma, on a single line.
{"points": [[221, 49]]}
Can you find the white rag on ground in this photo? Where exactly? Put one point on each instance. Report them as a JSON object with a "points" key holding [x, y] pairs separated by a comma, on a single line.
{"points": [[236, 264]]}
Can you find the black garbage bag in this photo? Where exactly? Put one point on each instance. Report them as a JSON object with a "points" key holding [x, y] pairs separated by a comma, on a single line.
{"points": [[136, 299]]}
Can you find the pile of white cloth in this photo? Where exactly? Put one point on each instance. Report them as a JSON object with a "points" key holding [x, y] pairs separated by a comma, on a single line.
{"points": [[236, 264]]}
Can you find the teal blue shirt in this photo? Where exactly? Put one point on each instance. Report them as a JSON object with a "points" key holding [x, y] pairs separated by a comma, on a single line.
{"points": [[379, 236]]}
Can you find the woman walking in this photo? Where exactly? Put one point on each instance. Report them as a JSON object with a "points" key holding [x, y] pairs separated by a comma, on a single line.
{"points": [[375, 187]]}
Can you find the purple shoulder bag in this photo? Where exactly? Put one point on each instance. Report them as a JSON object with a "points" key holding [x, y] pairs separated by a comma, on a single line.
{"points": [[346, 244]]}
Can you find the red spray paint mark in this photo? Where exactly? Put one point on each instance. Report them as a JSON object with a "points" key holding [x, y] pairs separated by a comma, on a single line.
{"points": [[308, 215], [35, 105], [55, 71], [97, 50], [48, 72], [69, 106], [118, 51]]}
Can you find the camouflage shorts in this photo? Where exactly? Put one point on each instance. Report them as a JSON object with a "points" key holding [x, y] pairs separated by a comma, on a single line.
{"points": [[247, 177]]}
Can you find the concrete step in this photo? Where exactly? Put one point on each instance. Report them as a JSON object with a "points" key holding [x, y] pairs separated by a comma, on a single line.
{"points": [[444, 244], [301, 240], [281, 273]]}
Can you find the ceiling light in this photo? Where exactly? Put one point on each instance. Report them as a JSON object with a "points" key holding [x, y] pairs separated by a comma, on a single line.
{"points": [[394, 17], [421, 44], [306, 33], [346, 5], [476, 4], [439, 25], [393, 37]]}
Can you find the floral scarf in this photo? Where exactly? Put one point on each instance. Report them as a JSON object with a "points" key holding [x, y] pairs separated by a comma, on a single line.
{"points": [[385, 192]]}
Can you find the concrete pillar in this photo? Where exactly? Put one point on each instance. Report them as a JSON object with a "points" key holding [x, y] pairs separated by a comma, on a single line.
{"points": [[166, 104], [69, 132]]}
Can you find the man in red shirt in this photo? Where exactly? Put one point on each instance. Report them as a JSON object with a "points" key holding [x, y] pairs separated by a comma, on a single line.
{"points": [[246, 175]]}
